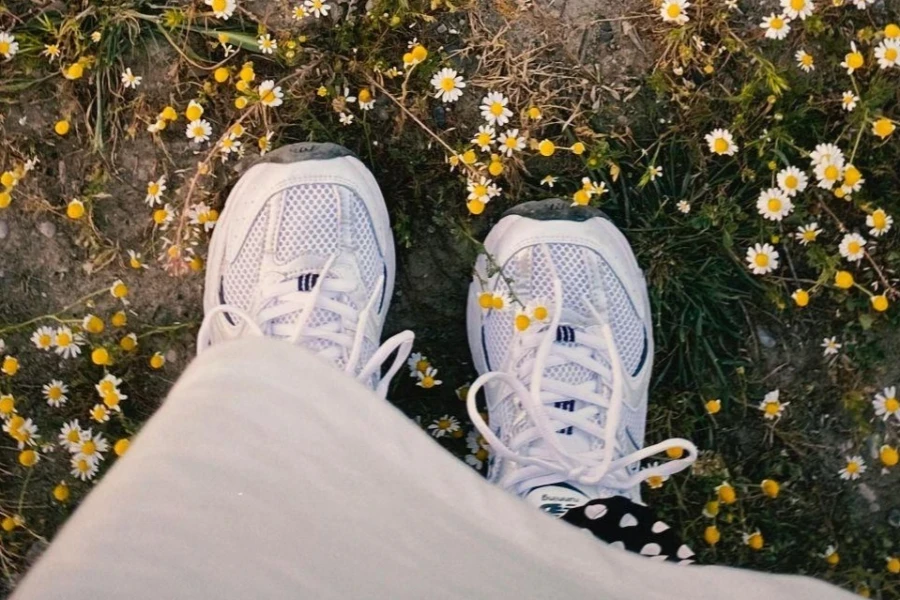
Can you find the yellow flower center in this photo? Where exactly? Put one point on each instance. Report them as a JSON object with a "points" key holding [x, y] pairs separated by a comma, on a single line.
{"points": [[541, 313], [483, 139], [806, 60], [546, 148], [809, 235], [153, 189], [655, 481], [776, 23], [855, 60], [469, 157], [111, 400], [853, 248], [891, 405], [511, 143], [484, 301], [419, 52], [832, 173], [522, 322], [774, 204], [581, 197], [428, 382], [772, 408], [54, 393], [73, 436], [219, 5], [892, 30], [199, 131], [63, 339], [798, 4], [4, 47], [44, 340], [497, 302], [496, 109], [761, 260], [481, 454], [193, 112], [883, 128], [890, 54], [720, 145], [448, 84], [106, 387], [673, 10], [480, 190], [88, 448], [82, 466], [889, 456], [852, 176], [476, 207], [843, 279], [755, 541], [790, 182], [853, 467], [495, 168]]}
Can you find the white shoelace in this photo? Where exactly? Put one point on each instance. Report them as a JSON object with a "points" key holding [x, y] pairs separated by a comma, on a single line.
{"points": [[538, 449], [281, 298]]}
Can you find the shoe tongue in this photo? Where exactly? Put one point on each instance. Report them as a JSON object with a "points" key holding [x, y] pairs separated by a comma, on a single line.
{"points": [[556, 498]]}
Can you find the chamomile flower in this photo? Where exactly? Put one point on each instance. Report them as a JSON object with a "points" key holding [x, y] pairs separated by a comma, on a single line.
{"points": [[230, 145], [346, 118], [23, 431], [521, 321], [482, 190], [538, 310], [198, 131], [654, 482], [879, 222], [55, 393], [854, 467], [510, 141], [827, 154], [774, 205], [270, 94], [100, 413], [267, 44], [84, 469], [886, 404], [299, 12], [42, 338], [500, 301], [805, 61], [829, 175], [792, 181], [807, 234], [448, 85], [831, 555], [798, 9], [754, 540], [366, 100], [135, 260], [9, 47], [849, 100], [549, 181], [830, 346], [446, 425], [721, 142], [51, 51], [164, 216], [853, 60], [853, 180], [417, 363], [485, 138], [71, 435], [777, 26], [772, 407], [654, 173], [762, 259], [66, 343], [319, 8], [494, 109], [675, 11], [478, 448], [155, 190], [428, 379], [222, 9], [852, 247], [887, 53], [683, 206], [130, 80], [201, 214]]}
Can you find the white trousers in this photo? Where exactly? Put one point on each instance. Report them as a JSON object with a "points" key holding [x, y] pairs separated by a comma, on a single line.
{"points": [[269, 474]]}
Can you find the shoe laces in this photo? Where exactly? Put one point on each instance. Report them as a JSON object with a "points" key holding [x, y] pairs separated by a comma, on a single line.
{"points": [[343, 336], [536, 446]]}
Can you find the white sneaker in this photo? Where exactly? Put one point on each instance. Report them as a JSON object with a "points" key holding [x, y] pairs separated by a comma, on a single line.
{"points": [[566, 398], [303, 252]]}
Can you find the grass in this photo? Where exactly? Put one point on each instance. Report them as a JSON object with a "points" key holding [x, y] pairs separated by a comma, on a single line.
{"points": [[720, 331]]}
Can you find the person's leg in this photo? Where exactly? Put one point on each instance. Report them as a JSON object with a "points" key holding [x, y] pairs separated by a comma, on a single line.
{"points": [[268, 474]]}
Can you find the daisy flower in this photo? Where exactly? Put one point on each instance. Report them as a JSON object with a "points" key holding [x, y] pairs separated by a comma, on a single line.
{"points": [[754, 540], [494, 109], [806, 234], [228, 145], [164, 216], [299, 12], [849, 100], [154, 191], [853, 179], [42, 338], [774, 205], [772, 407], [852, 247], [51, 51], [83, 469], [879, 222], [71, 435], [721, 142], [67, 344], [827, 154], [886, 404], [8, 45], [675, 11], [855, 467], [267, 45], [448, 85], [683, 206], [500, 301], [762, 259], [100, 413], [478, 448], [805, 61], [830, 346], [55, 393], [446, 425], [654, 173], [417, 363], [199, 131], [853, 60], [549, 181], [798, 9], [829, 174], [428, 378], [777, 26], [346, 118], [887, 53], [130, 80], [654, 482], [510, 141], [270, 94], [485, 138], [482, 190], [317, 7], [537, 310], [222, 9], [366, 101], [25, 432], [792, 181], [831, 555], [522, 320]]}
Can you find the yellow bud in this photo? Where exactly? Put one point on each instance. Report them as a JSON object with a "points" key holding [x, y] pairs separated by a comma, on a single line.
{"points": [[75, 209], [578, 148], [711, 535], [61, 492], [121, 447], [157, 361], [61, 127], [100, 356], [221, 75]]}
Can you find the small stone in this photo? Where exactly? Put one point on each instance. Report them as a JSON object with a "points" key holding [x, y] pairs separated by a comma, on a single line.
{"points": [[171, 356], [894, 517], [765, 338], [4, 230], [47, 228], [442, 28]]}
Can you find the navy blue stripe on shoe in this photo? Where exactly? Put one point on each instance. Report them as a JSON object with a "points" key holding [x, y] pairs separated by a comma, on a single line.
{"points": [[307, 281], [565, 333], [568, 405]]}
